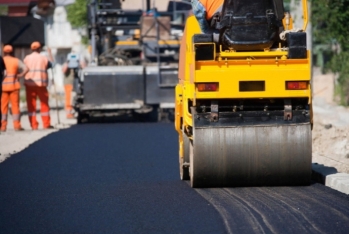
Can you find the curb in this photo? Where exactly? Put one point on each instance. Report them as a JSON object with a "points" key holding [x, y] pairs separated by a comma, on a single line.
{"points": [[329, 177]]}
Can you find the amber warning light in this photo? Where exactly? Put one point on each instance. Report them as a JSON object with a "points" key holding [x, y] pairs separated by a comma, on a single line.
{"points": [[296, 85], [206, 87]]}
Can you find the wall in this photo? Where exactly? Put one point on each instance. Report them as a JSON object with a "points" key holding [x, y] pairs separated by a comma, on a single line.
{"points": [[62, 39]]}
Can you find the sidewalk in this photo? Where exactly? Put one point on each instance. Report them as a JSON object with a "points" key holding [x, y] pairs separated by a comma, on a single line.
{"points": [[330, 135], [13, 142]]}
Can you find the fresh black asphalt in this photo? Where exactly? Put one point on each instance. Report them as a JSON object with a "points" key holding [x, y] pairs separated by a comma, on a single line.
{"points": [[103, 178], [123, 178]]}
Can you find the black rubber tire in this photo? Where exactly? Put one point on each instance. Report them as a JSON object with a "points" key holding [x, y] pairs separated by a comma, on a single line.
{"points": [[151, 116], [184, 170], [82, 117]]}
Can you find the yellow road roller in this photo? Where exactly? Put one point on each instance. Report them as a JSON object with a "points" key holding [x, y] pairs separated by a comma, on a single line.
{"points": [[243, 101]]}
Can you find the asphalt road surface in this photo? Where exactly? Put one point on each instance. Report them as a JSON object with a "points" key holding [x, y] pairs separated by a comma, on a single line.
{"points": [[123, 178]]}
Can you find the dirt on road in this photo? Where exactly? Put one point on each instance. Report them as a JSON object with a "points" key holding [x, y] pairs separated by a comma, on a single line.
{"points": [[12, 142], [331, 125]]}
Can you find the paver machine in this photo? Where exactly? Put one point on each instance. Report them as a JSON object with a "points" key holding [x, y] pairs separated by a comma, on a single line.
{"points": [[243, 101], [134, 62]]}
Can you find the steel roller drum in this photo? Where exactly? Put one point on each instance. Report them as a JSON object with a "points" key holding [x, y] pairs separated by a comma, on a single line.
{"points": [[251, 156]]}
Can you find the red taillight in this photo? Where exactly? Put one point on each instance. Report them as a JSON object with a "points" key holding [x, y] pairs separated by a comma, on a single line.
{"points": [[207, 87], [296, 85]]}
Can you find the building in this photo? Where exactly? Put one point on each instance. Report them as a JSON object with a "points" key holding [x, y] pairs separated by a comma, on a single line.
{"points": [[47, 24]]}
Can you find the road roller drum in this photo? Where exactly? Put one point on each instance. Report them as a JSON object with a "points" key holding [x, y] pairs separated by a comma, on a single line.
{"points": [[250, 148], [251, 156]]}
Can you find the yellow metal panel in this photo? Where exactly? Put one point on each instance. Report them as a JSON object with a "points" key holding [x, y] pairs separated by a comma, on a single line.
{"points": [[169, 42], [179, 115], [231, 67], [228, 75], [178, 106], [161, 42], [124, 43], [255, 54], [305, 14], [189, 93], [192, 27]]}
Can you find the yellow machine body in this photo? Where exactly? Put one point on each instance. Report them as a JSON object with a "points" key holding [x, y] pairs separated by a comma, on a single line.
{"points": [[255, 75]]}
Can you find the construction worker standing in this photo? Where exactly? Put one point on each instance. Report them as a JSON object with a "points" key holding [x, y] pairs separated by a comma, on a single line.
{"points": [[15, 69], [70, 70], [36, 81], [2, 71], [204, 10]]}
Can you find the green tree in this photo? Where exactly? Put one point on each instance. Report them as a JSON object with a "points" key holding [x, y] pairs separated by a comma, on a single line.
{"points": [[3, 10], [77, 16], [77, 13], [330, 26]]}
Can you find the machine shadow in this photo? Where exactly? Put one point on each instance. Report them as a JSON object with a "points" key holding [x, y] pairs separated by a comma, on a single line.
{"points": [[320, 172], [152, 117]]}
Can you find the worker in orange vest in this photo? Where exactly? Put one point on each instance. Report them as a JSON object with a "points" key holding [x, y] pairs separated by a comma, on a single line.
{"points": [[204, 10], [15, 69], [2, 72], [36, 81], [70, 70]]}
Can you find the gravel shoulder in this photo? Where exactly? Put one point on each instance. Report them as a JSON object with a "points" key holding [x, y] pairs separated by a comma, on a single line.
{"points": [[331, 126], [13, 142]]}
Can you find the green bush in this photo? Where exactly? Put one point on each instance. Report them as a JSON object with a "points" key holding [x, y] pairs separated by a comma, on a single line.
{"points": [[330, 27]]}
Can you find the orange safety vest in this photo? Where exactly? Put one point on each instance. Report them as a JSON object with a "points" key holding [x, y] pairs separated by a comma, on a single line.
{"points": [[37, 74], [11, 82], [212, 6]]}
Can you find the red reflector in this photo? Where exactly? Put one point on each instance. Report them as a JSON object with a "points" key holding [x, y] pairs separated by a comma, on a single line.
{"points": [[296, 85], [207, 86]]}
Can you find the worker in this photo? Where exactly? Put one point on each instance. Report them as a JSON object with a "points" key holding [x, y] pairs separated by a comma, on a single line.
{"points": [[15, 69], [204, 10], [70, 70], [2, 71], [36, 82]]}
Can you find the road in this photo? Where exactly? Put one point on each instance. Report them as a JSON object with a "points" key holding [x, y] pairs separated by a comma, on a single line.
{"points": [[123, 178]]}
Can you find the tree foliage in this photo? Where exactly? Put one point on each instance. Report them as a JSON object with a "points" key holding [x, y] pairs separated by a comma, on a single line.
{"points": [[3, 10], [77, 13], [330, 20]]}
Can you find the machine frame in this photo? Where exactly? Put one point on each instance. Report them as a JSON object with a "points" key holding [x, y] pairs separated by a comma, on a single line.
{"points": [[266, 74]]}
